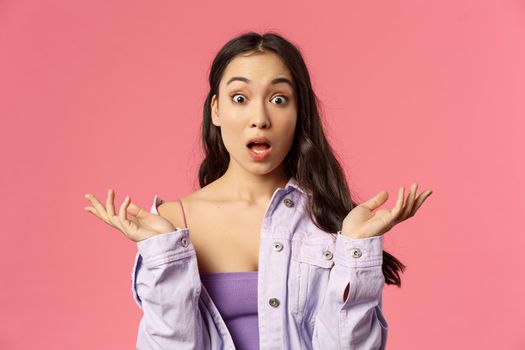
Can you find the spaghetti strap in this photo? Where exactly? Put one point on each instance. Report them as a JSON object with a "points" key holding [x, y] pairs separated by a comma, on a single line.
{"points": [[183, 213]]}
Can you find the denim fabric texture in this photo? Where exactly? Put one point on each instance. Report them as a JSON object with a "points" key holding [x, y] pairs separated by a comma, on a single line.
{"points": [[303, 273]]}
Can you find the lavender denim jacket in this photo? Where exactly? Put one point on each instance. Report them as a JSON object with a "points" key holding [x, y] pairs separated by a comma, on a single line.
{"points": [[303, 273]]}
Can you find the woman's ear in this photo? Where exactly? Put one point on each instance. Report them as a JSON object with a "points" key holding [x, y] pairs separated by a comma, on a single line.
{"points": [[215, 111]]}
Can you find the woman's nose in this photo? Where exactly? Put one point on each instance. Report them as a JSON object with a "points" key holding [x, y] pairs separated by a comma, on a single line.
{"points": [[261, 118], [261, 122]]}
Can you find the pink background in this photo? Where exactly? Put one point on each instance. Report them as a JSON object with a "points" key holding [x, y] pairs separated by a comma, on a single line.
{"points": [[108, 94]]}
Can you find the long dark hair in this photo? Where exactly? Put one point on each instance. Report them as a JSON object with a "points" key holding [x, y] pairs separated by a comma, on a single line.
{"points": [[311, 160]]}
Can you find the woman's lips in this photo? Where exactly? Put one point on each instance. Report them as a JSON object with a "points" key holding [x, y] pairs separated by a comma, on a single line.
{"points": [[259, 152]]}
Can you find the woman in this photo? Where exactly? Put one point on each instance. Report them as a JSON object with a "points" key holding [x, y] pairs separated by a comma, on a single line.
{"points": [[279, 257]]}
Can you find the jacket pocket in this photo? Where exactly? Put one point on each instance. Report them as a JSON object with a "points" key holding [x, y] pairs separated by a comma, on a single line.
{"points": [[311, 262]]}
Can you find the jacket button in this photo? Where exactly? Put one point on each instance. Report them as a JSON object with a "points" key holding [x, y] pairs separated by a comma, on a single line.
{"points": [[277, 246], [288, 202], [356, 253], [274, 302], [327, 255], [184, 242]]}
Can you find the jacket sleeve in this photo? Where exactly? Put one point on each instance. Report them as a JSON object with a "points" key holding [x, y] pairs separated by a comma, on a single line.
{"points": [[356, 323], [166, 286]]}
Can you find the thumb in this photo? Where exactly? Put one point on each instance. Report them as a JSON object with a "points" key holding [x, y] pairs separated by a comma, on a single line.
{"points": [[136, 211], [376, 200]]}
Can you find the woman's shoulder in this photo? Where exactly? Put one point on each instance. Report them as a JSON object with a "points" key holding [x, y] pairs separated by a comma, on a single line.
{"points": [[173, 211]]}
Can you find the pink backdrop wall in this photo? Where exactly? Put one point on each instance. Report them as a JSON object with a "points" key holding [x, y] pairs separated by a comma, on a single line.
{"points": [[108, 94]]}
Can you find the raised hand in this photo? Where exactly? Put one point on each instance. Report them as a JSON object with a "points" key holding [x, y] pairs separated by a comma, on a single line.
{"points": [[134, 222], [363, 222]]}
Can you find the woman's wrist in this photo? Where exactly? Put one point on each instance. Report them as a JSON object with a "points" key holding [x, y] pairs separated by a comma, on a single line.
{"points": [[351, 235]]}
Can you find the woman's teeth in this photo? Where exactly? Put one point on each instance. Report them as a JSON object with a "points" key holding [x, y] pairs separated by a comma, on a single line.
{"points": [[259, 151], [259, 147]]}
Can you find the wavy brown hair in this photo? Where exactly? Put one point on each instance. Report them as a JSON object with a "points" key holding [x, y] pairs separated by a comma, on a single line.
{"points": [[311, 160]]}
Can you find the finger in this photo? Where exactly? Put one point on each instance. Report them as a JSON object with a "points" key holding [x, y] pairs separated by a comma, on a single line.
{"points": [[101, 211], [122, 209], [136, 211], [376, 200], [115, 220], [422, 197], [397, 209], [92, 211], [109, 203], [407, 211], [122, 214]]}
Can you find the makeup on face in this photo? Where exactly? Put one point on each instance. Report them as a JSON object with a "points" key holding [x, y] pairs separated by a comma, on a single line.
{"points": [[259, 147], [258, 90]]}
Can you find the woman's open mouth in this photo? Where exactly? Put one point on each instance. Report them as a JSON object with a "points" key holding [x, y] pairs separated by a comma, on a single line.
{"points": [[259, 151]]}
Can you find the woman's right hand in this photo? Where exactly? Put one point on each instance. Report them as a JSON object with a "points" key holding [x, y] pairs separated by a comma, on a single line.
{"points": [[136, 223]]}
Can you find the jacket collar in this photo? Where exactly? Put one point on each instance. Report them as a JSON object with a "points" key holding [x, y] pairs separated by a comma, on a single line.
{"points": [[292, 183]]}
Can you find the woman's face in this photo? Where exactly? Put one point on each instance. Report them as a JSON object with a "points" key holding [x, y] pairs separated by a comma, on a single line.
{"points": [[250, 104]]}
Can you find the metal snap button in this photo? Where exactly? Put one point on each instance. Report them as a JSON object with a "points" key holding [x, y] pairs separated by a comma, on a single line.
{"points": [[184, 242], [277, 246], [328, 255], [274, 302], [356, 253], [288, 202]]}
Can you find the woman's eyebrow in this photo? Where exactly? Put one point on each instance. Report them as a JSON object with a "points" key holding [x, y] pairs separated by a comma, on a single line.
{"points": [[273, 82]]}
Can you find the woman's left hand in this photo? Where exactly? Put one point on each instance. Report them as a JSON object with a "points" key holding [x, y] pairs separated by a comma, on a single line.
{"points": [[362, 222]]}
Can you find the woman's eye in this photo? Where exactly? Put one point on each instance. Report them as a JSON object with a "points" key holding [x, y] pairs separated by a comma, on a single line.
{"points": [[236, 100], [282, 97], [239, 98]]}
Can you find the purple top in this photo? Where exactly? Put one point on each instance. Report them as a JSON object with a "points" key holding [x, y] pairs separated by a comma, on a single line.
{"points": [[235, 295]]}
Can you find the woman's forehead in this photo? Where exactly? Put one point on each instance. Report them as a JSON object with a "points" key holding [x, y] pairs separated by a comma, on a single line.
{"points": [[263, 67]]}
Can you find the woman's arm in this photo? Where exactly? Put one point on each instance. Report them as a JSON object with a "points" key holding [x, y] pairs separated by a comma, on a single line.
{"points": [[166, 282], [167, 288], [356, 322]]}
